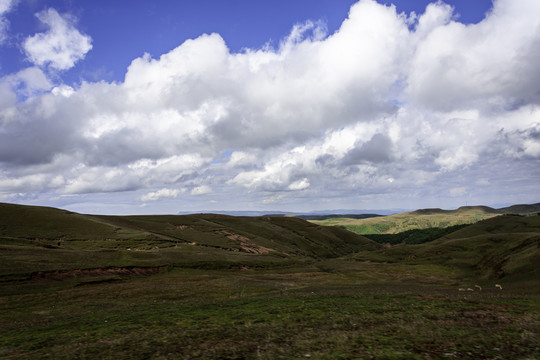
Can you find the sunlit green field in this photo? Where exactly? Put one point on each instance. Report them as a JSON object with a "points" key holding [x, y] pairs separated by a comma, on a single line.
{"points": [[422, 219]]}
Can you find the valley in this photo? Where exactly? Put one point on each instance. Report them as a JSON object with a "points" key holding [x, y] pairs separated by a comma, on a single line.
{"points": [[200, 286]]}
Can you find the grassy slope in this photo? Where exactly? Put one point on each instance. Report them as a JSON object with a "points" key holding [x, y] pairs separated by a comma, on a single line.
{"points": [[498, 247], [252, 234], [35, 222], [420, 219], [504, 247], [521, 209], [215, 299], [46, 239]]}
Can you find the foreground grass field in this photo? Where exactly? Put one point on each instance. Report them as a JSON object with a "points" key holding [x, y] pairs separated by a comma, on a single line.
{"points": [[214, 287], [288, 314]]}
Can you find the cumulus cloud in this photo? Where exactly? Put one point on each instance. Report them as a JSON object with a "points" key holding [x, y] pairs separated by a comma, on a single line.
{"points": [[377, 149], [299, 184], [489, 64], [61, 46], [161, 194], [388, 104], [201, 190], [459, 191], [5, 7], [28, 82]]}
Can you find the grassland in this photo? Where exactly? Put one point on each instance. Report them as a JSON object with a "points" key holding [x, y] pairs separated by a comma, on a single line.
{"points": [[76, 286], [420, 219]]}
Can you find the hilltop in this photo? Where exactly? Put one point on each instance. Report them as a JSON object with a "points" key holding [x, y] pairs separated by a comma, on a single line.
{"points": [[425, 219], [521, 209]]}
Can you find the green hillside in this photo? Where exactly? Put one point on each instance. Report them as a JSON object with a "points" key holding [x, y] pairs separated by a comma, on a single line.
{"points": [[522, 209], [503, 247], [36, 222], [257, 235], [206, 286], [419, 219], [71, 241]]}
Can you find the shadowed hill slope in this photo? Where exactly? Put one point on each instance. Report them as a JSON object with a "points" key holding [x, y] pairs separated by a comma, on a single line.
{"points": [[30, 234], [506, 246], [36, 222], [504, 224], [520, 209], [502, 247], [257, 235]]}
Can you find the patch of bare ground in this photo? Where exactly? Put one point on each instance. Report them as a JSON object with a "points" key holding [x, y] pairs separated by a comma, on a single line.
{"points": [[181, 227], [95, 272], [246, 244]]}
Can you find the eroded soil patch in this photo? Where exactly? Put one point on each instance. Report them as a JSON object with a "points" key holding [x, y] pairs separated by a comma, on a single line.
{"points": [[96, 272]]}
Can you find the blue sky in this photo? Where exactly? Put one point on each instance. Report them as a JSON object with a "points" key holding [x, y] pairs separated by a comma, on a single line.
{"points": [[160, 107], [124, 30]]}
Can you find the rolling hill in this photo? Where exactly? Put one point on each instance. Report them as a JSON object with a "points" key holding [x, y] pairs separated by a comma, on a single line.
{"points": [[424, 219], [503, 247], [73, 241], [214, 286], [36, 238]]}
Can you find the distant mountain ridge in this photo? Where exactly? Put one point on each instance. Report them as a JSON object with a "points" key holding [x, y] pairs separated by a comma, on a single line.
{"points": [[513, 210], [302, 215], [366, 213]]}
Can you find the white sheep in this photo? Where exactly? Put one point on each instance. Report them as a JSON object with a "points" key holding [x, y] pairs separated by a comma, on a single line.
{"points": [[498, 286], [478, 287], [469, 289], [461, 289]]}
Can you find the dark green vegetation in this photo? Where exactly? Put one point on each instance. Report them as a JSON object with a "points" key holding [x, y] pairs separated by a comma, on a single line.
{"points": [[76, 286], [415, 236]]}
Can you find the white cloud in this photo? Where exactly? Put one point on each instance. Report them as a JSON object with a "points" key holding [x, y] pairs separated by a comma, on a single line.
{"points": [[5, 7], [22, 183], [241, 158], [34, 79], [63, 90], [26, 83], [461, 66], [459, 191], [100, 179], [273, 199], [61, 46], [201, 190], [8, 98], [161, 194], [299, 184], [377, 109]]}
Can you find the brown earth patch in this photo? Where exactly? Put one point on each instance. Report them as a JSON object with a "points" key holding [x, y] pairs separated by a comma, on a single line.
{"points": [[78, 273], [246, 244]]}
